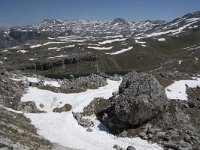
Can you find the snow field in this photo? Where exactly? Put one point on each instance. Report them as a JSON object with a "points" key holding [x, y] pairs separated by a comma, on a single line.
{"points": [[63, 129], [177, 90]]}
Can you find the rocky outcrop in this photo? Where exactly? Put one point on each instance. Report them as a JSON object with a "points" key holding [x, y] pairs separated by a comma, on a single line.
{"points": [[2, 71], [131, 148], [141, 98], [70, 59], [120, 21], [27, 107], [21, 36], [177, 128], [84, 122], [10, 91], [83, 83], [95, 106], [65, 108], [77, 85], [16, 132]]}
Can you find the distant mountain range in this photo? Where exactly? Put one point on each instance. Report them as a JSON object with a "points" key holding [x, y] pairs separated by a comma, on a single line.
{"points": [[117, 45], [144, 29]]}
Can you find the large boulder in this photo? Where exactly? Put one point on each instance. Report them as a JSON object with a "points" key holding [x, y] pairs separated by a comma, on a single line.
{"points": [[141, 98]]}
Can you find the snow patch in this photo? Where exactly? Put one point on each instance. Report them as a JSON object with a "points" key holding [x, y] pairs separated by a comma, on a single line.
{"points": [[69, 46], [180, 61], [177, 90], [162, 40], [36, 46], [48, 43], [196, 59], [22, 51], [100, 48], [36, 80], [140, 42], [59, 56], [50, 38], [121, 51], [111, 41], [5, 50], [52, 48]]}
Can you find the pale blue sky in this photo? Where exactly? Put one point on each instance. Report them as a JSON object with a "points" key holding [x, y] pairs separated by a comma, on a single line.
{"points": [[21, 12]]}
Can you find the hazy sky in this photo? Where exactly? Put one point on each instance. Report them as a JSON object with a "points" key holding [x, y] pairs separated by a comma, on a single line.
{"points": [[21, 12]]}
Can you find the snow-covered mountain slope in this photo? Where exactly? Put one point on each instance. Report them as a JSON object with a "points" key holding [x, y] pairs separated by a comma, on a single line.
{"points": [[185, 24], [102, 28], [90, 27]]}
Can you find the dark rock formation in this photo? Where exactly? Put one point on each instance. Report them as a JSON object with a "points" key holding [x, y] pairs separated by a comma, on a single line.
{"points": [[27, 107], [65, 108], [2, 71], [21, 36], [86, 123], [131, 148], [10, 91], [95, 106], [82, 83], [120, 21], [21, 135], [141, 98], [70, 59], [117, 147], [16, 132], [177, 128]]}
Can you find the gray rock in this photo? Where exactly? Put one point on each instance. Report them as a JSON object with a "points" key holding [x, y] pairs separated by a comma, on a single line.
{"points": [[41, 105], [27, 107], [77, 116], [92, 82], [143, 135], [185, 146], [117, 147], [2, 71], [65, 108], [86, 123], [89, 130], [150, 136], [187, 138], [130, 148], [25, 83], [171, 145], [160, 134], [141, 98]]}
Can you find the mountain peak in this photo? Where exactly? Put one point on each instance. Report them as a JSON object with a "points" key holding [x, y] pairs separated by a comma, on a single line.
{"points": [[119, 21], [192, 15], [51, 21]]}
